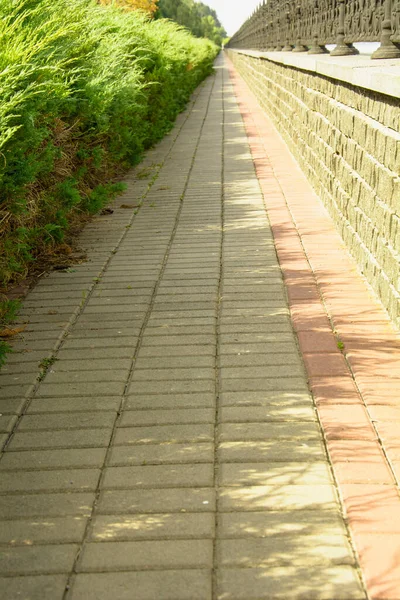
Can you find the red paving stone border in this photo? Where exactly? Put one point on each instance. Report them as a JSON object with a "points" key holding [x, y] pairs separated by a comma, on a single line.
{"points": [[350, 349]]}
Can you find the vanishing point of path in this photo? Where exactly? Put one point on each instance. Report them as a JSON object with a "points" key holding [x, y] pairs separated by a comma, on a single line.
{"points": [[171, 448]]}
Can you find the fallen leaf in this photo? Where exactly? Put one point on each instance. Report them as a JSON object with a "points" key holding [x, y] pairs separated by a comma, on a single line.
{"points": [[9, 332]]}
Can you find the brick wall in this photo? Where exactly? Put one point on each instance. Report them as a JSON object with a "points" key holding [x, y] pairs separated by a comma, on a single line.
{"points": [[347, 141]]}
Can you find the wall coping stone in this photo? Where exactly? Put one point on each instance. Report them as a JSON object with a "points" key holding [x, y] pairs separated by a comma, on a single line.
{"points": [[381, 75]]}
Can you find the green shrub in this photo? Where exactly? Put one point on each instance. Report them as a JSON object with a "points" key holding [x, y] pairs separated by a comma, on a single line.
{"points": [[84, 90]]}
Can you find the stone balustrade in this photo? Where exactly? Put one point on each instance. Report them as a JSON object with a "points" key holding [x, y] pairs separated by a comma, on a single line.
{"points": [[311, 25]]}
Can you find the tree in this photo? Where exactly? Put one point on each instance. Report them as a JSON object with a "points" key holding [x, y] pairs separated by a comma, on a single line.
{"points": [[199, 18], [149, 6]]}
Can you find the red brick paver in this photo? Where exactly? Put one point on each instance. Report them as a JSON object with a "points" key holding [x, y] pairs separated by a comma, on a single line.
{"points": [[351, 351]]}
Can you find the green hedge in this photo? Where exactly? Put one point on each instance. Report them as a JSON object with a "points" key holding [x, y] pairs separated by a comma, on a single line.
{"points": [[84, 89]]}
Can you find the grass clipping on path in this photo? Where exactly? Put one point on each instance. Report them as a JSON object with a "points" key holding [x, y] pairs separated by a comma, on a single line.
{"points": [[84, 90]]}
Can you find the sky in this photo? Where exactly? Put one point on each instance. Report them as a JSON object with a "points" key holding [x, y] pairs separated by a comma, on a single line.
{"points": [[232, 13]]}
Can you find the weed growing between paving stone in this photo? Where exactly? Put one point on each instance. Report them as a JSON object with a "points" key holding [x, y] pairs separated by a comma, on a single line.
{"points": [[84, 90], [8, 313]]}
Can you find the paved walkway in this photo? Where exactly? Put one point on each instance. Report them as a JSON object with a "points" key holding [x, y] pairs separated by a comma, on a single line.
{"points": [[169, 446]]}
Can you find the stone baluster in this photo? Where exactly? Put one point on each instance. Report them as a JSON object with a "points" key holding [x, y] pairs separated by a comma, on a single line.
{"points": [[316, 48], [342, 48], [299, 46], [387, 49], [288, 46]]}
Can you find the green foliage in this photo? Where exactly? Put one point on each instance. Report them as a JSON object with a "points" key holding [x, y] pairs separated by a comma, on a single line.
{"points": [[199, 18], [84, 90], [8, 313]]}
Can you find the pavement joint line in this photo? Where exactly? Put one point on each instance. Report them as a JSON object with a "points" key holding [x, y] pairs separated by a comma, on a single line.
{"points": [[138, 345], [214, 582], [34, 388]]}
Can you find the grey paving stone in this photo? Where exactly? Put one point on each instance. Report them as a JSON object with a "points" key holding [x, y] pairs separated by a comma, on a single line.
{"points": [[272, 451], [54, 376], [188, 314], [127, 342], [274, 431], [291, 550], [275, 473], [171, 387], [7, 423], [267, 372], [139, 556], [284, 384], [67, 421], [240, 347], [95, 365], [72, 404], [180, 330], [176, 500], [96, 353], [109, 528], [50, 530], [163, 585], [166, 417], [254, 324], [11, 406], [102, 388], [178, 340], [252, 359], [54, 303], [173, 401], [33, 587], [52, 459], [173, 362], [51, 481], [14, 391], [254, 414], [158, 476], [174, 374], [120, 326], [283, 497], [161, 454], [179, 322], [80, 438], [178, 350], [29, 560], [257, 338], [274, 398], [189, 300], [297, 583], [17, 379], [263, 524], [185, 290], [164, 433]]}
